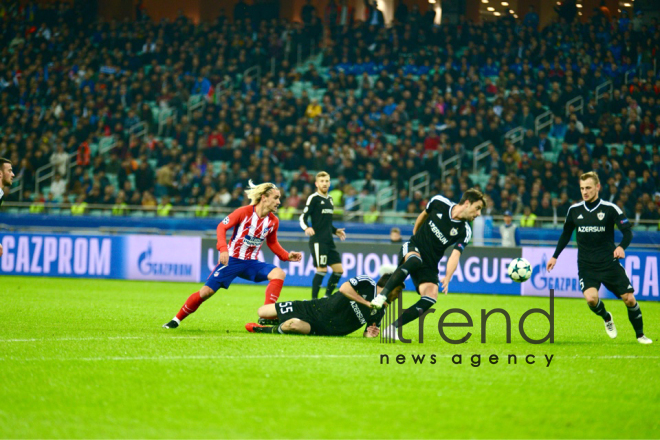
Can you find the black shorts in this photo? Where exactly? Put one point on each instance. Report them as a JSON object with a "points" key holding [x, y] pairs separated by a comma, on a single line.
{"points": [[613, 276], [428, 273], [307, 311], [325, 254]]}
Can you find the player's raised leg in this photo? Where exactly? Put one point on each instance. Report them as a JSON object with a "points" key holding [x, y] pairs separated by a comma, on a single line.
{"points": [[413, 261], [222, 276], [429, 296], [191, 305], [275, 282], [598, 307], [635, 317]]}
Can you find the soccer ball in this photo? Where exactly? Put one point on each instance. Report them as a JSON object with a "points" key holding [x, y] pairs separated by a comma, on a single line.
{"points": [[520, 270]]}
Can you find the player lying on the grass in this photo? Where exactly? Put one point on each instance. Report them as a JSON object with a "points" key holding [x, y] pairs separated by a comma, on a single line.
{"points": [[320, 208], [253, 224], [598, 257], [341, 314], [441, 225]]}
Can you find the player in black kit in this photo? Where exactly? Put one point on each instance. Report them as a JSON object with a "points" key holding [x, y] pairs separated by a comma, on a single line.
{"points": [[320, 208], [441, 225], [6, 179], [598, 257], [339, 315]]}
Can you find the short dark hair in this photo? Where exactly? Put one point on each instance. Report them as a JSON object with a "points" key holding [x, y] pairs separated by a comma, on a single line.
{"points": [[384, 278], [4, 161], [473, 195]]}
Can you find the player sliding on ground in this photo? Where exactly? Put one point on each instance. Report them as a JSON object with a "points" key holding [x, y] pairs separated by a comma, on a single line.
{"points": [[339, 315], [598, 257], [441, 225], [253, 224]]}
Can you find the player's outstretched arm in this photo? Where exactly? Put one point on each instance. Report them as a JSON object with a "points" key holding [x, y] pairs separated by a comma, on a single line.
{"points": [[565, 237], [551, 264], [276, 247], [452, 264], [341, 233], [349, 292]]}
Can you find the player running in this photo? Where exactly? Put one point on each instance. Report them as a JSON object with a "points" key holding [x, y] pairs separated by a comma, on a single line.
{"points": [[338, 315], [320, 208], [252, 225], [441, 225], [6, 179], [598, 257]]}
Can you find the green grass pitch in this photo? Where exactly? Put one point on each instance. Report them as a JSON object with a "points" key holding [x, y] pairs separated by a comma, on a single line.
{"points": [[89, 359]]}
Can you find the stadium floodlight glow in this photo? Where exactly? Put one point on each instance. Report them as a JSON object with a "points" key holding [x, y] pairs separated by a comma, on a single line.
{"points": [[490, 8], [497, 14], [505, 3], [432, 2], [511, 11], [484, 1], [579, 13], [579, 5], [627, 5], [515, 15]]}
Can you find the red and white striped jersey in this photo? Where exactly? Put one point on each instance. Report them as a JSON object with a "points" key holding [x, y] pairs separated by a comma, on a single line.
{"points": [[250, 232]]}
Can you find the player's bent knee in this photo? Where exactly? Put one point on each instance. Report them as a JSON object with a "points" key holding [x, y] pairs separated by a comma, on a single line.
{"points": [[267, 311], [629, 299], [206, 292], [276, 274]]}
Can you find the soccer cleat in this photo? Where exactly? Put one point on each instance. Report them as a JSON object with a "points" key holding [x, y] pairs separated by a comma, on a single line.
{"points": [[610, 328], [255, 328], [391, 333], [644, 340], [378, 301], [171, 324], [265, 321]]}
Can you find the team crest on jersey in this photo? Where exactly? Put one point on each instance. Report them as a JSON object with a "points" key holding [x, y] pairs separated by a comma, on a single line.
{"points": [[226, 221], [600, 215], [439, 216], [454, 231]]}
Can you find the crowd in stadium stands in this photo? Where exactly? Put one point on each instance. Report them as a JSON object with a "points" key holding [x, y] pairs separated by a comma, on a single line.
{"points": [[382, 104]]}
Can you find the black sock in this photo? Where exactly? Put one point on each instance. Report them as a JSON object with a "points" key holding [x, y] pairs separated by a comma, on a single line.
{"points": [[635, 316], [401, 273], [599, 309], [269, 330], [316, 284], [332, 283], [414, 312]]}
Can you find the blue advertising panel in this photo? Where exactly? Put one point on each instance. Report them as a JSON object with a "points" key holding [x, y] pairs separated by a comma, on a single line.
{"points": [[58, 255]]}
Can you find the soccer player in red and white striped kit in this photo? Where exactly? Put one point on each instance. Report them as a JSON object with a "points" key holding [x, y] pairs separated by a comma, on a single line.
{"points": [[252, 225]]}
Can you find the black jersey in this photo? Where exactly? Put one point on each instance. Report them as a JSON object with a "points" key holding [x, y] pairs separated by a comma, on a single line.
{"points": [[440, 231], [2, 194], [320, 209], [341, 316], [595, 231]]}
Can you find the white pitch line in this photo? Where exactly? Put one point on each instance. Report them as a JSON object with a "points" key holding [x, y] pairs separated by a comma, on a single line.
{"points": [[110, 338], [177, 358], [294, 356]]}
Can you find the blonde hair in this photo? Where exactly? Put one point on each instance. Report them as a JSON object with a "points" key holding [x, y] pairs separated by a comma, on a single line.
{"points": [[322, 174], [590, 175], [254, 192]]}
